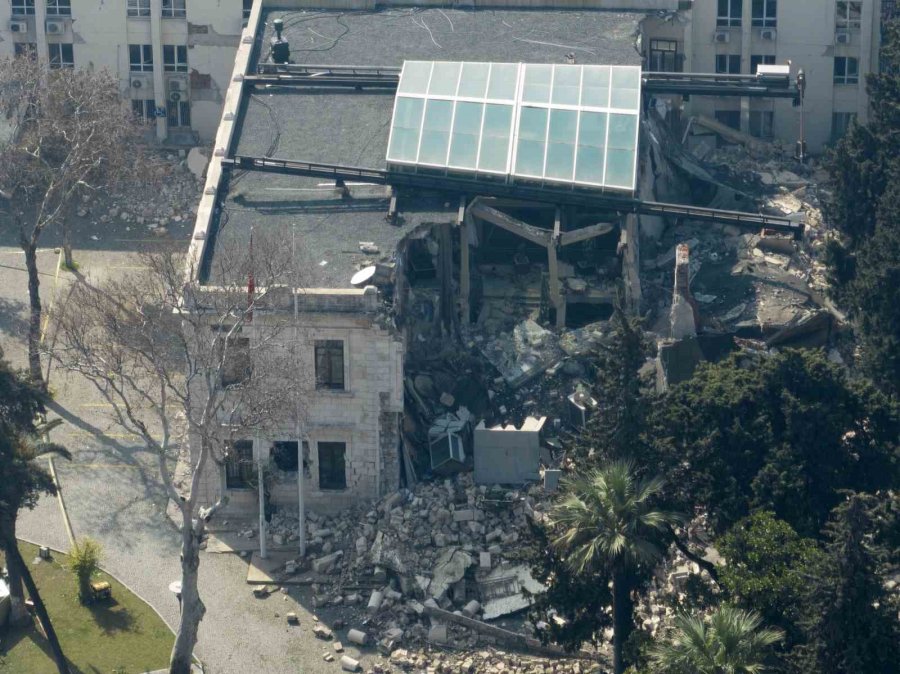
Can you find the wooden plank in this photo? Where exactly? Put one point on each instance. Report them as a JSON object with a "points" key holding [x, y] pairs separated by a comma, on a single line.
{"points": [[534, 234], [585, 233]]}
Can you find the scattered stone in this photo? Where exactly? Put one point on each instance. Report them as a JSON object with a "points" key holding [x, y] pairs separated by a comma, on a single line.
{"points": [[322, 632], [293, 619], [338, 647], [357, 637], [348, 664]]}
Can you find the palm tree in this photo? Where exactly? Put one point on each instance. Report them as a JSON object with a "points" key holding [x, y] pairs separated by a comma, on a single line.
{"points": [[606, 518], [21, 483], [728, 642]]}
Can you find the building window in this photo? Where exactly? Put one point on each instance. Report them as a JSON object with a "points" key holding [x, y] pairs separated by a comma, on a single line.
{"points": [[846, 70], [284, 454], [28, 49], [239, 464], [730, 118], [59, 7], [61, 55], [178, 113], [23, 7], [757, 60], [248, 7], [764, 13], [761, 123], [840, 122], [138, 8], [175, 59], [729, 13], [140, 58], [848, 14], [663, 56], [173, 9], [144, 110], [728, 64], [332, 465], [330, 364], [236, 366]]}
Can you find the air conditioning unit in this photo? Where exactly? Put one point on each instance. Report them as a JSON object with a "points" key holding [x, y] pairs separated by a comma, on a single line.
{"points": [[141, 82], [55, 27], [722, 36], [768, 34], [177, 86], [842, 37], [18, 27]]}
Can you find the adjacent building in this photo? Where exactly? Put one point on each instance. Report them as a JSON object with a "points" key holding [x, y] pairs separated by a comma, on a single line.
{"points": [[834, 42], [173, 57]]}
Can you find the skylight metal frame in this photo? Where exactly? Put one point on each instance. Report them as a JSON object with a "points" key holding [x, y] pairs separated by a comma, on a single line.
{"points": [[516, 104]]}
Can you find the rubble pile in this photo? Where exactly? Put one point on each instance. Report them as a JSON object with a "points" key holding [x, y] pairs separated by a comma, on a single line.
{"points": [[486, 660], [157, 205]]}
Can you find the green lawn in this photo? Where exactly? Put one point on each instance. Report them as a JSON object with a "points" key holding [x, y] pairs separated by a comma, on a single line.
{"points": [[122, 636]]}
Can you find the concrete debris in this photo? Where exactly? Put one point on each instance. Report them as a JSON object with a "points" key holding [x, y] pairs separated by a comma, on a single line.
{"points": [[529, 353], [502, 590]]}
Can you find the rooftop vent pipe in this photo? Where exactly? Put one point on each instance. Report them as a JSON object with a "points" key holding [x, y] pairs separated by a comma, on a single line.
{"points": [[281, 50]]}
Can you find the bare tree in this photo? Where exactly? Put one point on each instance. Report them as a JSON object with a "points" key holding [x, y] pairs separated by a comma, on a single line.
{"points": [[175, 358], [69, 134]]}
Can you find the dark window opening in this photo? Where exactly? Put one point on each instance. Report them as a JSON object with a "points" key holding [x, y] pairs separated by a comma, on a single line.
{"points": [[332, 465], [330, 364], [729, 13], [236, 365], [175, 59], [729, 64], [140, 58], [27, 49], [664, 56], [764, 13], [23, 7], [757, 60], [846, 70], [579, 314], [761, 122], [730, 118], [61, 55], [284, 454], [248, 7], [239, 464]]}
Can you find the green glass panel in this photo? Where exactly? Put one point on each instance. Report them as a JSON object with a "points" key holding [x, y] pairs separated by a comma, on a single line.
{"points": [[495, 138], [562, 126], [473, 81], [533, 124], [622, 130], [595, 86], [560, 161], [502, 84], [436, 132], [566, 85], [626, 91], [619, 168], [592, 129], [464, 138], [589, 168], [444, 78], [415, 77], [537, 83], [405, 132], [530, 158]]}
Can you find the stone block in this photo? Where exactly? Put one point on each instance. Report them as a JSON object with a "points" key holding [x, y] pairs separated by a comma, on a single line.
{"points": [[375, 601], [358, 637], [463, 515], [484, 560], [348, 664], [438, 634]]}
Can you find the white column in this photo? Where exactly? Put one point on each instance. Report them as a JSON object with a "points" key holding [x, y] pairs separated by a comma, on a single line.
{"points": [[301, 502], [159, 80], [261, 488], [746, 43], [40, 29]]}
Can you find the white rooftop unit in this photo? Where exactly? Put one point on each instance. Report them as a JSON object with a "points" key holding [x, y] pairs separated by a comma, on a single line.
{"points": [[564, 124]]}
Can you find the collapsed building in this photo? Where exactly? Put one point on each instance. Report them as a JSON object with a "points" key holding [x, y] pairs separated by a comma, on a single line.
{"points": [[465, 207], [463, 227]]}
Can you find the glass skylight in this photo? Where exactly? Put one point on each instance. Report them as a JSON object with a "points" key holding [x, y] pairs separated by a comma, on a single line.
{"points": [[556, 123]]}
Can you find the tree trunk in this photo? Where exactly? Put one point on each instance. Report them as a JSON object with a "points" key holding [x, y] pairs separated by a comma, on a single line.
{"points": [[67, 247], [622, 617], [34, 324], [15, 559], [707, 566], [192, 608], [18, 614]]}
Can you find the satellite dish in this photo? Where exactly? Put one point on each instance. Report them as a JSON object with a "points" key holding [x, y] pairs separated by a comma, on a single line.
{"points": [[363, 276]]}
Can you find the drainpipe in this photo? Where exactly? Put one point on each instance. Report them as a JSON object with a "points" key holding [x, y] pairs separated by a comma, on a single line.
{"points": [[262, 500]]}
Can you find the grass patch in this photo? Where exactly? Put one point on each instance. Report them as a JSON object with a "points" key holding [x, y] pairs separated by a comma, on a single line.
{"points": [[122, 635], [71, 267]]}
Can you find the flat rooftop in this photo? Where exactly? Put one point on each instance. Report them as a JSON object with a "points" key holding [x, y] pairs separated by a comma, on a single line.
{"points": [[352, 128]]}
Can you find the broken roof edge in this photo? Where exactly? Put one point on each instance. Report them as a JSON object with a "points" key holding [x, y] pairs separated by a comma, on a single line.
{"points": [[226, 137], [345, 5]]}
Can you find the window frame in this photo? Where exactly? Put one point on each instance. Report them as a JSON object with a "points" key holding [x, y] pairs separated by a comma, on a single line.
{"points": [[22, 7], [54, 8], [142, 66], [180, 112], [147, 112], [340, 478], [660, 49], [728, 19], [137, 9], [24, 49], [762, 18], [846, 77], [844, 19], [238, 466], [757, 60], [61, 48], [761, 117], [731, 113], [173, 11], [729, 61], [175, 65], [850, 116], [236, 364], [331, 383]]}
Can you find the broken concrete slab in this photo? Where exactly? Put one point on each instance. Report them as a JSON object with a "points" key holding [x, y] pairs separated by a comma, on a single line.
{"points": [[502, 590], [450, 568]]}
